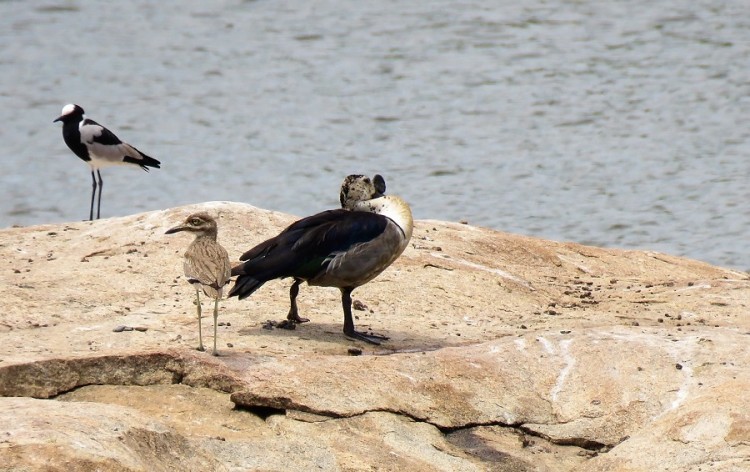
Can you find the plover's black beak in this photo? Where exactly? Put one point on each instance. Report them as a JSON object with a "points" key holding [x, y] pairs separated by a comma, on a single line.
{"points": [[176, 229], [59, 118]]}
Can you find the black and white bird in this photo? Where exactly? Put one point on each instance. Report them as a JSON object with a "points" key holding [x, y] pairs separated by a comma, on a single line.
{"points": [[343, 248], [206, 264], [98, 147]]}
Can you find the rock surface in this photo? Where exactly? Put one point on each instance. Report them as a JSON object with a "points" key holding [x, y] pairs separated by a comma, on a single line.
{"points": [[506, 353]]}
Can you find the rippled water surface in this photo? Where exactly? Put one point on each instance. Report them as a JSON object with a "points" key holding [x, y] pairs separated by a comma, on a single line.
{"points": [[615, 123]]}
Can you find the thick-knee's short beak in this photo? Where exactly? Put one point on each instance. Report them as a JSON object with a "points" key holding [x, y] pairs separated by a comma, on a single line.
{"points": [[176, 229]]}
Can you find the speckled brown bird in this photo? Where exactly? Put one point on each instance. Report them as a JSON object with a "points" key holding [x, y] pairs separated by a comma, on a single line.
{"points": [[206, 264]]}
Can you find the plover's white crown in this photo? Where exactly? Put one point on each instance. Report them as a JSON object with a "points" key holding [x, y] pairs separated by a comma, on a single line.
{"points": [[68, 109]]}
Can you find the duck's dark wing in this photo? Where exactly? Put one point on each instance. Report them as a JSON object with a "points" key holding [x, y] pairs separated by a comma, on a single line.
{"points": [[290, 235], [305, 248]]}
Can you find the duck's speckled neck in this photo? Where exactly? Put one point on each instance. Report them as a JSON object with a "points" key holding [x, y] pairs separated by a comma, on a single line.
{"points": [[392, 207]]}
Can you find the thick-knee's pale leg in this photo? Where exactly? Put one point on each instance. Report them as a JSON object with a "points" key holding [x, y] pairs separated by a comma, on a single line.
{"points": [[200, 334], [216, 316]]}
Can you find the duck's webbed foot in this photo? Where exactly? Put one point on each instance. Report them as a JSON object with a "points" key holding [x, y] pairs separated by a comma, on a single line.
{"points": [[368, 338], [349, 331], [293, 317]]}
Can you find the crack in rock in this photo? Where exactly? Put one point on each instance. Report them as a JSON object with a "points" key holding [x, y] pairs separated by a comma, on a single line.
{"points": [[266, 406], [52, 377]]}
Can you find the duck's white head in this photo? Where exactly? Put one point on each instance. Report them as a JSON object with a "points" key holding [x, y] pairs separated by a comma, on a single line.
{"points": [[360, 193], [356, 188]]}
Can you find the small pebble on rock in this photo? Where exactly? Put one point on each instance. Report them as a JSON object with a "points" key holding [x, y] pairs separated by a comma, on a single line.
{"points": [[358, 305]]}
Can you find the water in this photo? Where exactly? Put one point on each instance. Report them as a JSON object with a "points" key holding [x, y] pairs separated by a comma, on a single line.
{"points": [[613, 123]]}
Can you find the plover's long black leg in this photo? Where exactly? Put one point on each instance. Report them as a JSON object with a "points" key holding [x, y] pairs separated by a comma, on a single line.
{"points": [[99, 204], [93, 194]]}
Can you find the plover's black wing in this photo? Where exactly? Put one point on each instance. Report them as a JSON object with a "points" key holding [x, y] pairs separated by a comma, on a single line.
{"points": [[93, 132], [106, 148]]}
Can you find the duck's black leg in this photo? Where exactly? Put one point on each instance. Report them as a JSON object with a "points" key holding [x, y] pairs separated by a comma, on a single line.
{"points": [[293, 292], [349, 331], [293, 318]]}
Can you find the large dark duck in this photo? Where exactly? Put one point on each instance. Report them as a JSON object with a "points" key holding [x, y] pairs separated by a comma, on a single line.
{"points": [[342, 248]]}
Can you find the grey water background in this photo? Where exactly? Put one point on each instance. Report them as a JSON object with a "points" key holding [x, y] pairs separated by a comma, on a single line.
{"points": [[613, 123]]}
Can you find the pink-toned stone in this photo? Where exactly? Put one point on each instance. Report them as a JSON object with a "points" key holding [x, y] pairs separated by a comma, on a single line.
{"points": [[506, 353]]}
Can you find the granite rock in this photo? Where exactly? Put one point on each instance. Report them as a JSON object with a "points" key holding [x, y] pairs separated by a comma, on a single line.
{"points": [[506, 353]]}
